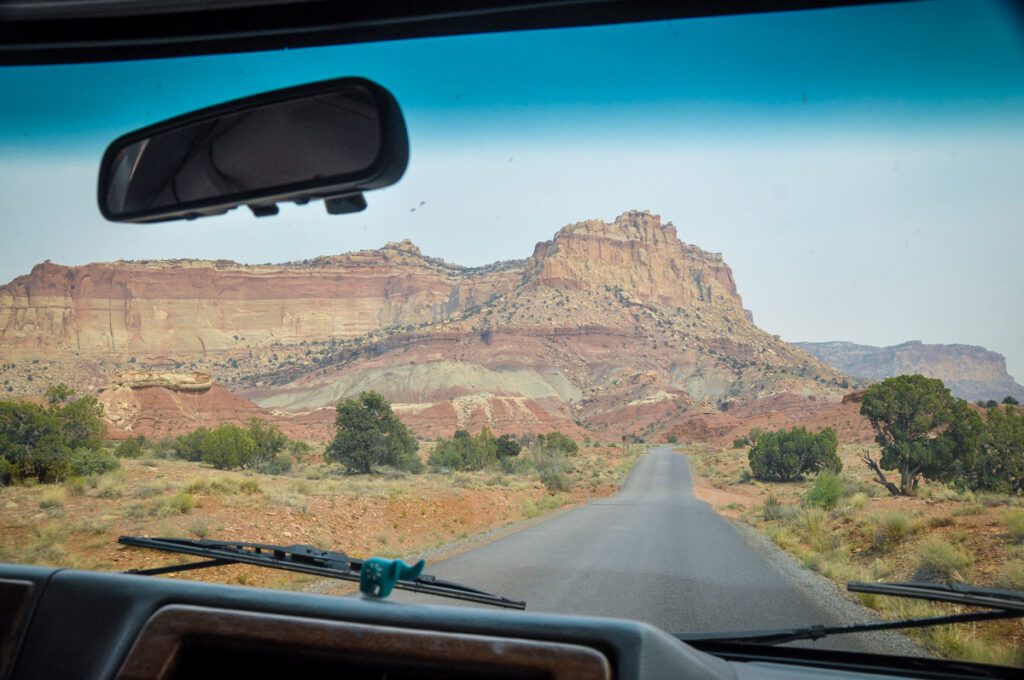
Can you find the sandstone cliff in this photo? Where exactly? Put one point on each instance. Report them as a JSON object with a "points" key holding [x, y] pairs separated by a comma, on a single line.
{"points": [[616, 327], [971, 372]]}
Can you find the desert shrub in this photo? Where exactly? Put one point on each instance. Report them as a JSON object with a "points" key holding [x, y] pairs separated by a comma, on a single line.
{"points": [[299, 449], [740, 442], [76, 486], [507, 447], [200, 529], [468, 452], [178, 504], [969, 509], [672, 439], [110, 485], [558, 442], [545, 504], [53, 498], [278, 465], [512, 466], [249, 486], [825, 493], [940, 521], [889, 529], [229, 446], [554, 480], [812, 526], [83, 461], [772, 509], [939, 561], [859, 500], [787, 455], [1012, 575], [1015, 525], [129, 448]]}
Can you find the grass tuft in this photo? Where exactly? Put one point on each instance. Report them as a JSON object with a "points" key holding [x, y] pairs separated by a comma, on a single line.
{"points": [[939, 561], [53, 498], [889, 529]]}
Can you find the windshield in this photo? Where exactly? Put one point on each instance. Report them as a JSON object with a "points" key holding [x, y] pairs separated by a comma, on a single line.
{"points": [[631, 337]]}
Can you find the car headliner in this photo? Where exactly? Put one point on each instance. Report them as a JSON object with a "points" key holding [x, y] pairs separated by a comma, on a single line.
{"points": [[69, 31]]}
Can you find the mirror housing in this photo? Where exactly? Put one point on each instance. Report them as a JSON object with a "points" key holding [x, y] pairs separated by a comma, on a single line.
{"points": [[330, 140]]}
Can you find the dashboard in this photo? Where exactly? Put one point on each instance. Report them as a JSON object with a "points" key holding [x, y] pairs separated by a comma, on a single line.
{"points": [[64, 623]]}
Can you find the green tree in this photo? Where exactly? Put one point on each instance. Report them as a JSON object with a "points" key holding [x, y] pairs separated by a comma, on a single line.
{"points": [[557, 441], [507, 446], [1011, 401], [787, 455], [58, 394], [229, 446], [81, 422], [368, 434], [1000, 462], [268, 439], [129, 448], [31, 443], [910, 414], [192, 446]]}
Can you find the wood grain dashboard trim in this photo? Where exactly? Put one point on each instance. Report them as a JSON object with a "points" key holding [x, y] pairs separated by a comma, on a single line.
{"points": [[157, 650]]}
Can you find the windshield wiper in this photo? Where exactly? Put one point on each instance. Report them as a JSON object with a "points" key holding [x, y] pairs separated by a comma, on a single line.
{"points": [[306, 559], [1000, 604]]}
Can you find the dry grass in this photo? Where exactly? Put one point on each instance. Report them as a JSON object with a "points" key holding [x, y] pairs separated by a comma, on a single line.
{"points": [[351, 513], [942, 535]]}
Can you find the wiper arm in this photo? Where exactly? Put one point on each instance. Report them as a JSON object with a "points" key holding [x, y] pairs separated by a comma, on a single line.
{"points": [[306, 559], [1001, 604]]}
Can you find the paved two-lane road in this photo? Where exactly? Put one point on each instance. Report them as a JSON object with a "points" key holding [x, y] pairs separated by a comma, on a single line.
{"points": [[651, 552]]}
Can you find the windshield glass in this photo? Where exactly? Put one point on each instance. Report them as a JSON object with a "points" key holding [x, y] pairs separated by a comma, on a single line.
{"points": [[626, 339]]}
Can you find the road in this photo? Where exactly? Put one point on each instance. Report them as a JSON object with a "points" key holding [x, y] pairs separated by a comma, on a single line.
{"points": [[651, 552]]}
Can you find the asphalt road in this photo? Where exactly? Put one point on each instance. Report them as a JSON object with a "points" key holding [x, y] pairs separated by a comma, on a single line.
{"points": [[652, 552]]}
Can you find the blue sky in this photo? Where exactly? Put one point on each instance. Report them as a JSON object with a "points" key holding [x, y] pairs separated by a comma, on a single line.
{"points": [[859, 168]]}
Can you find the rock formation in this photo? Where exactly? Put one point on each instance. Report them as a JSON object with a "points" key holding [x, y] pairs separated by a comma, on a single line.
{"points": [[972, 373], [615, 327]]}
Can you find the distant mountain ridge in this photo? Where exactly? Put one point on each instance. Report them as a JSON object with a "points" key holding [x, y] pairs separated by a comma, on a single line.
{"points": [[971, 372]]}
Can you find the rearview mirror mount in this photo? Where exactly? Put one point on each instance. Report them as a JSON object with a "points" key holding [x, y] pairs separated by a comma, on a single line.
{"points": [[331, 140]]}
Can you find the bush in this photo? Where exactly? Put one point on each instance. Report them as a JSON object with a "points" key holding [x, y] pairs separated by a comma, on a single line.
{"points": [[772, 509], [786, 455], [939, 561], [740, 442], [812, 526], [672, 439], [467, 452], [1015, 525], [889, 529], [129, 448], [507, 446], [825, 493], [558, 442], [52, 498], [84, 462], [278, 465], [178, 504], [554, 480]]}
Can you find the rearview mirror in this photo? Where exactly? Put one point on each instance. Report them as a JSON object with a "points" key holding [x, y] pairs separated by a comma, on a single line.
{"points": [[330, 140]]}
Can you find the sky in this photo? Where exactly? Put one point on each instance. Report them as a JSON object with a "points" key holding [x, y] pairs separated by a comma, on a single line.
{"points": [[860, 168]]}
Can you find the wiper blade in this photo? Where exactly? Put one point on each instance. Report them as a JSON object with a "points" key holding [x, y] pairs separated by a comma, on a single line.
{"points": [[1001, 604], [306, 559]]}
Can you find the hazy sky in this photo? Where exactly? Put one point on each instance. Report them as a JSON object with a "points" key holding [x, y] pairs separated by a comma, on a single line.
{"points": [[862, 169]]}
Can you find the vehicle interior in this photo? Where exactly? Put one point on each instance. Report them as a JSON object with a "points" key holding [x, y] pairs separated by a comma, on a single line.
{"points": [[68, 623]]}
